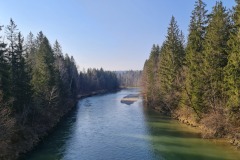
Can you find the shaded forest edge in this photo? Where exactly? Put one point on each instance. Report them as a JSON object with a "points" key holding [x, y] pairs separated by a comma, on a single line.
{"points": [[198, 82], [38, 86]]}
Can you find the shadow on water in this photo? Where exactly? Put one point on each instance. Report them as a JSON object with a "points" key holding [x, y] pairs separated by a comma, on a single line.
{"points": [[56, 139], [173, 140], [103, 128]]}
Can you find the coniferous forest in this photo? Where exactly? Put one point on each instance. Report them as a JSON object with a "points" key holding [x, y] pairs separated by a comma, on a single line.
{"points": [[97, 80], [198, 81], [38, 85], [193, 78], [129, 78]]}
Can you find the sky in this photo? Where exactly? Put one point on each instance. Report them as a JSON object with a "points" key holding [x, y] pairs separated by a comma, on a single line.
{"points": [[112, 34]]}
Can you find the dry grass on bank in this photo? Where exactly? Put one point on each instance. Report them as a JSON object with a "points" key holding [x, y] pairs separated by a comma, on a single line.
{"points": [[187, 116], [215, 124]]}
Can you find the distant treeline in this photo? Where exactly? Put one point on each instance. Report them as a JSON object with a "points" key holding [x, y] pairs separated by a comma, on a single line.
{"points": [[129, 78], [200, 79], [97, 80], [38, 85]]}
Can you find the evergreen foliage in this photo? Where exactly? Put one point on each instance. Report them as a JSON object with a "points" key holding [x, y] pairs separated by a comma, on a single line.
{"points": [[4, 70], [194, 56], [129, 78], [151, 73], [97, 80], [38, 85], [171, 60], [199, 81], [215, 56], [232, 70]]}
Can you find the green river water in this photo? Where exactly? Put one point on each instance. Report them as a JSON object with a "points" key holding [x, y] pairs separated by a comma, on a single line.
{"points": [[103, 128]]}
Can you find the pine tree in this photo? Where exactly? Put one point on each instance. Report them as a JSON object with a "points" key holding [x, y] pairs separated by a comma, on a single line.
{"points": [[171, 60], [43, 76], [73, 73], [151, 70], [144, 82], [39, 40], [30, 57], [23, 92], [60, 70], [194, 55], [59, 61], [215, 56], [57, 49], [11, 33], [20, 87], [4, 70], [31, 48], [232, 70], [14, 56]]}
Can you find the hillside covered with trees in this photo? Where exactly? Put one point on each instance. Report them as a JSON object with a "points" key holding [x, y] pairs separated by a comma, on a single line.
{"points": [[38, 85], [199, 81]]}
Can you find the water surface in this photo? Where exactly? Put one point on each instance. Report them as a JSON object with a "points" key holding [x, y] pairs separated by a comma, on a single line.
{"points": [[103, 128]]}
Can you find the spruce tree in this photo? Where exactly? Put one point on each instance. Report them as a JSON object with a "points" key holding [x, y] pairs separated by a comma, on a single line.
{"points": [[232, 70], [11, 33], [151, 70], [20, 87], [194, 55], [23, 92], [171, 60], [60, 69], [144, 81], [30, 57], [4, 70], [215, 57], [31, 48], [15, 59], [59, 61], [73, 73], [43, 76]]}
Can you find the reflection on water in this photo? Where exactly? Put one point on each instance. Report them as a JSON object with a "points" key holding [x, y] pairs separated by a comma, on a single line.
{"points": [[173, 140], [103, 128]]}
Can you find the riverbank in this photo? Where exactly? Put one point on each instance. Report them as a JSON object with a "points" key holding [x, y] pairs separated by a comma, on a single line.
{"points": [[211, 128], [207, 126], [30, 140], [33, 139], [102, 127], [25, 136]]}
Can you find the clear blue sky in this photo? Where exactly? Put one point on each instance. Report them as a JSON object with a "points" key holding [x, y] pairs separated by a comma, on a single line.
{"points": [[113, 34]]}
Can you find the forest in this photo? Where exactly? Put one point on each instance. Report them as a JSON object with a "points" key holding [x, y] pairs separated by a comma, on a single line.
{"points": [[198, 81], [97, 80], [195, 79], [129, 78], [38, 86]]}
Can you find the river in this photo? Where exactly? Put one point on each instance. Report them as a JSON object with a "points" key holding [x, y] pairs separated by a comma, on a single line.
{"points": [[103, 128]]}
